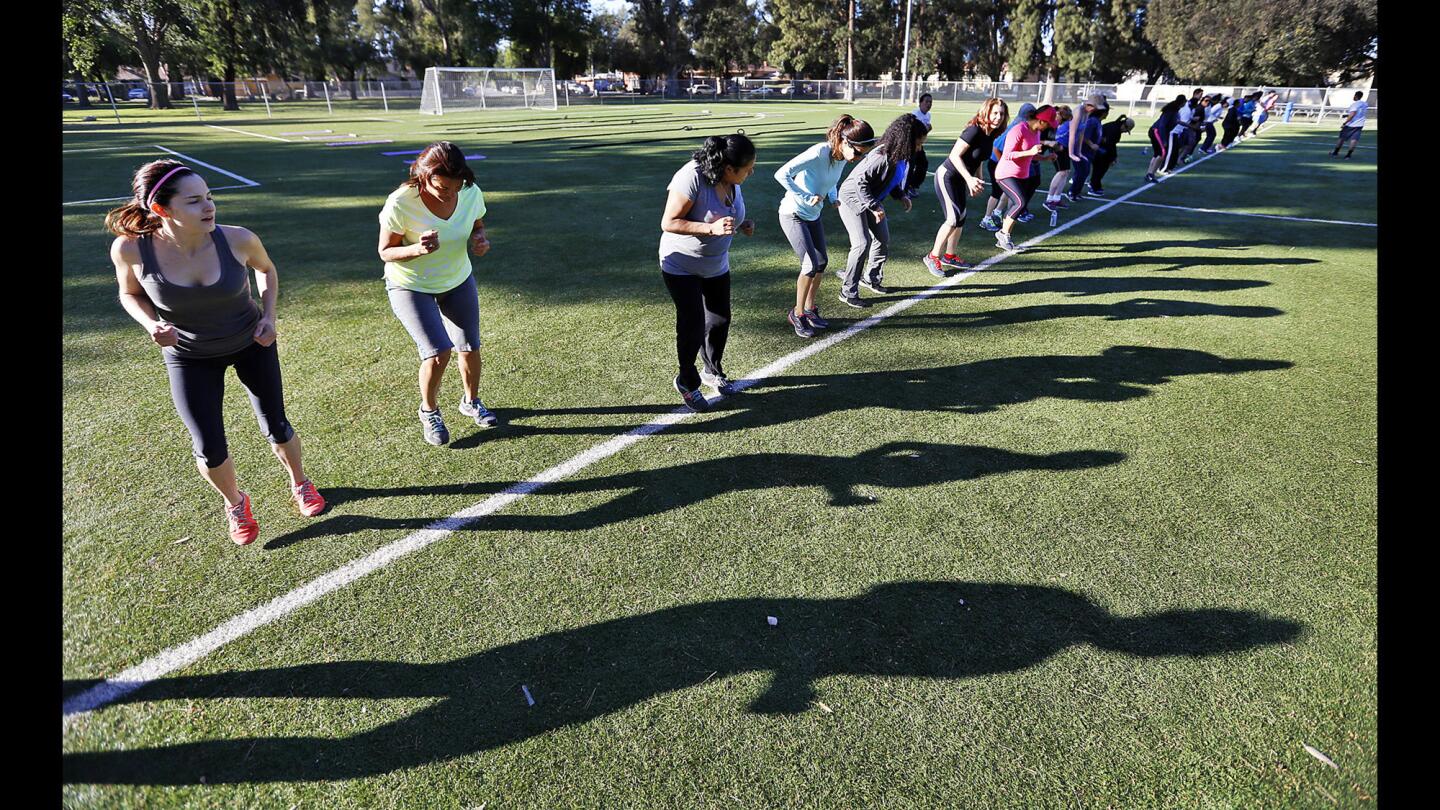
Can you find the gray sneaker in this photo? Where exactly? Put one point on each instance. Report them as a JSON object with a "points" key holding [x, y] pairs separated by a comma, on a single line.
{"points": [[476, 410], [1002, 241], [719, 382], [434, 427]]}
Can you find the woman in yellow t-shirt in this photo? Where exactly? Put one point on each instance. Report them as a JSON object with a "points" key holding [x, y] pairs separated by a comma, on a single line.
{"points": [[429, 228]]}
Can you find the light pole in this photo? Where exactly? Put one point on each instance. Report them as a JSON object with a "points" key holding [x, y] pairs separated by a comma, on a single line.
{"points": [[905, 59]]}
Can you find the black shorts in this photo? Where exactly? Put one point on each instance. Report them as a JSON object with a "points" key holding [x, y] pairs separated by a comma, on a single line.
{"points": [[1062, 160], [1351, 133], [995, 191]]}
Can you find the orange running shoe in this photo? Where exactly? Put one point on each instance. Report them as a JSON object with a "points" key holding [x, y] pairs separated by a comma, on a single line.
{"points": [[307, 498], [243, 528]]}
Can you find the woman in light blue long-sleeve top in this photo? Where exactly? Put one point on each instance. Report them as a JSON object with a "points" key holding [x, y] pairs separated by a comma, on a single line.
{"points": [[811, 180]]}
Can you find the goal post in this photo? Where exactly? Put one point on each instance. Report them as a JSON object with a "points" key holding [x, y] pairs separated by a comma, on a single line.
{"points": [[457, 89]]}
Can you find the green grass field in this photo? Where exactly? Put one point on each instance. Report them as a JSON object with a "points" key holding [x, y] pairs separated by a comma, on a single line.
{"points": [[1094, 527]]}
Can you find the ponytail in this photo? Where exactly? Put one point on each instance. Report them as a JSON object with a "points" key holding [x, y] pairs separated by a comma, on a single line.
{"points": [[132, 219], [720, 151], [848, 128], [153, 183]]}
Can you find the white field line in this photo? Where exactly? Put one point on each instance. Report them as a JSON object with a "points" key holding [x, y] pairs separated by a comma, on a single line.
{"points": [[132, 196], [251, 134], [98, 149], [247, 181], [167, 661], [1249, 214]]}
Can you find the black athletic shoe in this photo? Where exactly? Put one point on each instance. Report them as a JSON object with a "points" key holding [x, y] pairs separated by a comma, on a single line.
{"points": [[875, 287], [854, 301], [694, 400], [812, 317]]}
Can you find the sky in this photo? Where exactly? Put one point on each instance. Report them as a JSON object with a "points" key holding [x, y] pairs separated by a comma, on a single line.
{"points": [[615, 6]]}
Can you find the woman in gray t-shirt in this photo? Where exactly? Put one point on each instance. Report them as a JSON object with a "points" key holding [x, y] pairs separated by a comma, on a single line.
{"points": [[702, 213]]}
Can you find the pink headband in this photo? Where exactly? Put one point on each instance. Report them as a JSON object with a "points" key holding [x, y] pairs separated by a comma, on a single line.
{"points": [[156, 188]]}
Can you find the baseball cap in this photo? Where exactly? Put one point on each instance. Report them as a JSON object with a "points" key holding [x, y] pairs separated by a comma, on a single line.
{"points": [[1048, 116], [1098, 102]]}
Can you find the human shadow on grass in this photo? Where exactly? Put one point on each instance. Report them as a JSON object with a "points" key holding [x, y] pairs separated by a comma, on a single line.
{"points": [[644, 493], [933, 630], [1149, 245], [1117, 374], [1133, 309], [1082, 286]]}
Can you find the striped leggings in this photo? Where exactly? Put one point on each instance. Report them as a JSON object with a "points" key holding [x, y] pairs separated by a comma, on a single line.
{"points": [[1017, 195]]}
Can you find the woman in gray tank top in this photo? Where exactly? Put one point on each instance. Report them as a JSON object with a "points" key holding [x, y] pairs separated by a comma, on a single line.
{"points": [[183, 278]]}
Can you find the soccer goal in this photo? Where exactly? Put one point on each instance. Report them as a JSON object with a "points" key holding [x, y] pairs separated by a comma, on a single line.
{"points": [[455, 89]]}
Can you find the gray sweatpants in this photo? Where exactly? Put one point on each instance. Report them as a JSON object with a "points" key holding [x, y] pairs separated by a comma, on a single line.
{"points": [[807, 239], [869, 247]]}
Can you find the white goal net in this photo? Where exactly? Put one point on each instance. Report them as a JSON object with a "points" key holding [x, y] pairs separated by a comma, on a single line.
{"points": [[453, 89]]}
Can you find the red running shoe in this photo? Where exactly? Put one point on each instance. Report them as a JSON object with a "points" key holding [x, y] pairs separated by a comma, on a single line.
{"points": [[307, 498], [243, 528]]}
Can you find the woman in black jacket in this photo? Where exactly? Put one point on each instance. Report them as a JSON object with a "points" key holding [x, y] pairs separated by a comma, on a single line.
{"points": [[862, 209]]}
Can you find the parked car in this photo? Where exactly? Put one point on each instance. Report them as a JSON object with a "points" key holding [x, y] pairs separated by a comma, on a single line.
{"points": [[701, 89], [574, 89], [760, 92], [138, 93], [66, 98]]}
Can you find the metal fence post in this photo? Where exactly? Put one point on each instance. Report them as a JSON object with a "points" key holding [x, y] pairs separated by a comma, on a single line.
{"points": [[111, 96]]}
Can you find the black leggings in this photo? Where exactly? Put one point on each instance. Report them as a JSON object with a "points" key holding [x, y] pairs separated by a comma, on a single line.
{"points": [[1229, 131], [1102, 162], [197, 386], [702, 322]]}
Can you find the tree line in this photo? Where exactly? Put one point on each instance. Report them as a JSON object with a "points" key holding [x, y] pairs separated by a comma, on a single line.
{"points": [[1274, 42]]}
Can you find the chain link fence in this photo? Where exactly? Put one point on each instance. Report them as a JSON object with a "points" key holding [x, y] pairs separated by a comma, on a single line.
{"points": [[271, 97]]}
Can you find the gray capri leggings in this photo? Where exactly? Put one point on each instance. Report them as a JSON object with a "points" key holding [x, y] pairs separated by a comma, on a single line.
{"points": [[869, 246], [439, 322], [807, 239]]}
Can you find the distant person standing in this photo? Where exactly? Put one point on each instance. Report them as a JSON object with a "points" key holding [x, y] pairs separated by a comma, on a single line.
{"points": [[429, 228], [703, 211], [1353, 124], [920, 162]]}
